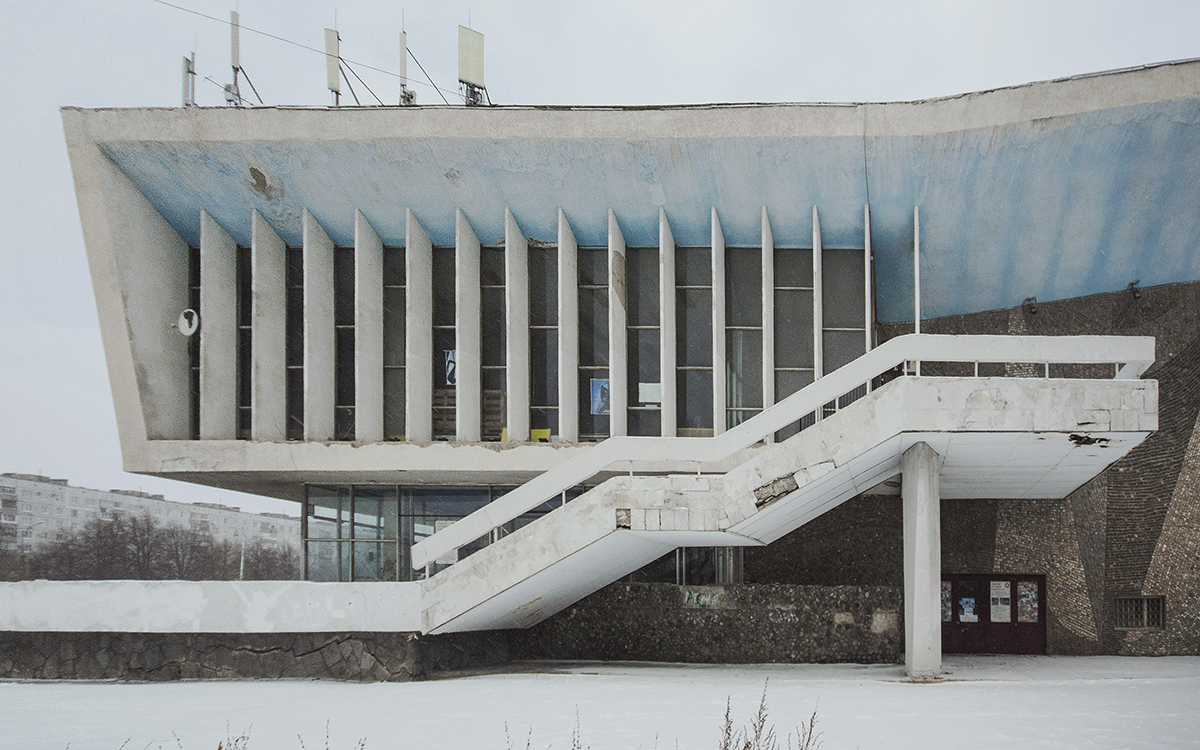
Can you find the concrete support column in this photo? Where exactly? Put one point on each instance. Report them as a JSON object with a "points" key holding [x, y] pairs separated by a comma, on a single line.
{"points": [[268, 368], [318, 331], [418, 331], [666, 323], [368, 331], [618, 351], [868, 286], [818, 305], [218, 331], [922, 562], [568, 332], [718, 323], [516, 322], [768, 314], [468, 397]]}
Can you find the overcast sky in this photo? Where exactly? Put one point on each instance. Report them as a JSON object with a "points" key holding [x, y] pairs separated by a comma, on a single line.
{"points": [[56, 413]]}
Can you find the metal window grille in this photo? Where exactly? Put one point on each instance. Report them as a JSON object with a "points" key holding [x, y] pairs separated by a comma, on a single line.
{"points": [[1139, 613]]}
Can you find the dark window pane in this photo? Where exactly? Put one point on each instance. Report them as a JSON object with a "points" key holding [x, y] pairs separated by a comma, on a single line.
{"points": [[544, 419], [694, 401], [793, 328], [393, 403], [344, 366], [343, 286], [591, 426], [493, 403], [641, 280], [393, 326], [644, 360], [788, 382], [842, 288], [699, 566], [693, 316], [842, 347], [194, 267], [743, 357], [646, 422], [244, 359], [492, 314], [443, 286], [443, 342], [295, 404], [393, 266], [662, 570], [294, 274], [294, 324], [593, 327], [693, 266], [245, 291], [491, 266], [343, 423], [543, 286], [543, 367], [593, 266], [743, 284], [793, 267]]}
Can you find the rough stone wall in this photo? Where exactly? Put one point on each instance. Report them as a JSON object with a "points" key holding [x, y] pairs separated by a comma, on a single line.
{"points": [[723, 624], [373, 657]]}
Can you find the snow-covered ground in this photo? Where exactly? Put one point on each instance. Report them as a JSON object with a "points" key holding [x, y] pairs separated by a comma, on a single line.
{"points": [[984, 702]]}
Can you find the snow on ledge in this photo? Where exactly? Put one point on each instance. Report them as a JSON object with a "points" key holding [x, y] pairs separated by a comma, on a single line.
{"points": [[209, 607]]}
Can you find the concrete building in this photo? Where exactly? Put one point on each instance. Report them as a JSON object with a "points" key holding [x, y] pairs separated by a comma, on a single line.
{"points": [[507, 356], [38, 510]]}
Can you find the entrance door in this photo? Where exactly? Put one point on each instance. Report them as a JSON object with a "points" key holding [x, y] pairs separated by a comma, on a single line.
{"points": [[993, 614]]}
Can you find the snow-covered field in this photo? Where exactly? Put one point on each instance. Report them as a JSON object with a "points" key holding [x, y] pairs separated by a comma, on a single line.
{"points": [[984, 702]]}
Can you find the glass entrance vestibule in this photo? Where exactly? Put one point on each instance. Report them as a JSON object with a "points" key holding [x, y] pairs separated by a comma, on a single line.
{"points": [[366, 533]]}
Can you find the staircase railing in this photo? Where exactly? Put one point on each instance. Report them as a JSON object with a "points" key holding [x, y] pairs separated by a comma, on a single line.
{"points": [[904, 355]]}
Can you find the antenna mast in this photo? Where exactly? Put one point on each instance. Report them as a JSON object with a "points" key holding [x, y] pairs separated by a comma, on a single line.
{"points": [[407, 96], [189, 80], [232, 96]]}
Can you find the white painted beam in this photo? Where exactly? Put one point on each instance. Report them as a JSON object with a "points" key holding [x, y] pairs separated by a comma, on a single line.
{"points": [[368, 331], [922, 562], [468, 413], [218, 331], [418, 331], [319, 344], [818, 303], [568, 332], [516, 321], [268, 368], [768, 310], [618, 351], [666, 323], [718, 324]]}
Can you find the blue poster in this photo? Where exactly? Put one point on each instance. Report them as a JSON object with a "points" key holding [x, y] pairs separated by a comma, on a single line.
{"points": [[599, 396], [451, 372]]}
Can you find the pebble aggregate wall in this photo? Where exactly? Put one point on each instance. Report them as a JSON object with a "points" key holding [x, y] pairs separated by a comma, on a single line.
{"points": [[742, 624], [374, 657]]}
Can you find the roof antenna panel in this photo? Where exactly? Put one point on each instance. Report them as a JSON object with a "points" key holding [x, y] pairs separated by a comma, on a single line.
{"points": [[408, 97], [333, 80], [470, 65], [232, 95], [189, 80]]}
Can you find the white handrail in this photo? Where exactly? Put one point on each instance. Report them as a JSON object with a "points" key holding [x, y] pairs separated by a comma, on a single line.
{"points": [[1131, 354]]}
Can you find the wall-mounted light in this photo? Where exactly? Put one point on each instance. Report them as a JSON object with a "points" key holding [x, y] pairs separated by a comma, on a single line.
{"points": [[1137, 293], [1030, 305]]}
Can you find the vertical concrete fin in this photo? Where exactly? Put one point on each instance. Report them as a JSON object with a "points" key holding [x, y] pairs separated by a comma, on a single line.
{"points": [[768, 310], [916, 269], [568, 331], [468, 335], [818, 294], [268, 358], [868, 285], [516, 321], [319, 344], [718, 324], [218, 331], [618, 352], [666, 322], [368, 331], [922, 561], [418, 331]]}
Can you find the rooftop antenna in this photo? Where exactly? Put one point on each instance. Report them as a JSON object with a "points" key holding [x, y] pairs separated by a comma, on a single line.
{"points": [[333, 78], [470, 66], [408, 97], [232, 96], [189, 80]]}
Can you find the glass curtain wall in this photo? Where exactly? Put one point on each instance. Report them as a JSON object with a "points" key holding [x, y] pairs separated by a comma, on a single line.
{"points": [[843, 307], [245, 297], [543, 342], [743, 334], [394, 321], [645, 389], [493, 350], [194, 344], [343, 325], [444, 365], [294, 335], [593, 344], [693, 566], [793, 326], [693, 330]]}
